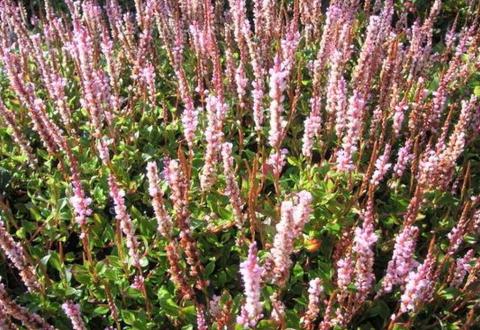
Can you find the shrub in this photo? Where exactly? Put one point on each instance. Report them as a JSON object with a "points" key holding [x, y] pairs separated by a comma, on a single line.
{"points": [[221, 165]]}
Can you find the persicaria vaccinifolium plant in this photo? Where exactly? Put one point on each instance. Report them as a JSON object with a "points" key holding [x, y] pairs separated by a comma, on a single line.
{"points": [[232, 164]]}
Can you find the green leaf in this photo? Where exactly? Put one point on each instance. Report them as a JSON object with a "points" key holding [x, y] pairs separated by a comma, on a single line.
{"points": [[167, 303], [476, 90], [21, 233], [209, 268], [101, 310], [81, 275], [128, 317], [449, 293], [55, 262]]}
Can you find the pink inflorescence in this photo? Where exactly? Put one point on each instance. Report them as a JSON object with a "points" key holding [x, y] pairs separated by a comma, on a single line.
{"points": [[163, 219], [315, 290], [278, 84], [293, 217], [80, 203], [124, 219], [216, 111], [462, 267], [381, 167], [73, 312], [312, 125], [277, 160], [404, 156], [419, 286], [363, 244], [251, 272], [232, 190], [402, 262], [345, 269], [354, 123], [17, 256]]}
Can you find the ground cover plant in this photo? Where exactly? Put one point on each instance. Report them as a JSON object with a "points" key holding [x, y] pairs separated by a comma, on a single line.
{"points": [[239, 164]]}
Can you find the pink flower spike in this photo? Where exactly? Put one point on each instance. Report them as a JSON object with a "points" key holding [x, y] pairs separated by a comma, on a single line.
{"points": [[73, 312], [251, 272]]}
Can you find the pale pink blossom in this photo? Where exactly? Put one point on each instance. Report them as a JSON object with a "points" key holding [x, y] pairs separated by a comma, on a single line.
{"points": [[345, 269], [251, 311], [381, 167], [315, 290], [419, 286], [462, 268], [164, 222], [350, 140], [232, 190], [363, 246], [312, 126], [277, 161], [126, 224], [72, 310], [402, 262], [404, 156], [293, 216], [16, 254], [278, 85]]}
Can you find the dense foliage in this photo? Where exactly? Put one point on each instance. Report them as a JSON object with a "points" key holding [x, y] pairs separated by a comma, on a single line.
{"points": [[239, 164]]}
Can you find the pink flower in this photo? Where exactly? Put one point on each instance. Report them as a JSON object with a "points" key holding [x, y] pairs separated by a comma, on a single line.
{"points": [[232, 190], [367, 61], [363, 242], [398, 115], [419, 286], [29, 320], [5, 322], [456, 234], [201, 322], [315, 290], [241, 81], [95, 85], [81, 205], [251, 272], [138, 282], [345, 269], [103, 152], [163, 219], [283, 242], [293, 216], [402, 262], [73, 312], [190, 115], [462, 267], [476, 222], [312, 127], [336, 94], [124, 219], [327, 42], [53, 81], [381, 167], [303, 210], [404, 157], [278, 84], [278, 308], [216, 111], [257, 95], [288, 47], [355, 110], [276, 161], [178, 184], [147, 75], [16, 254]]}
